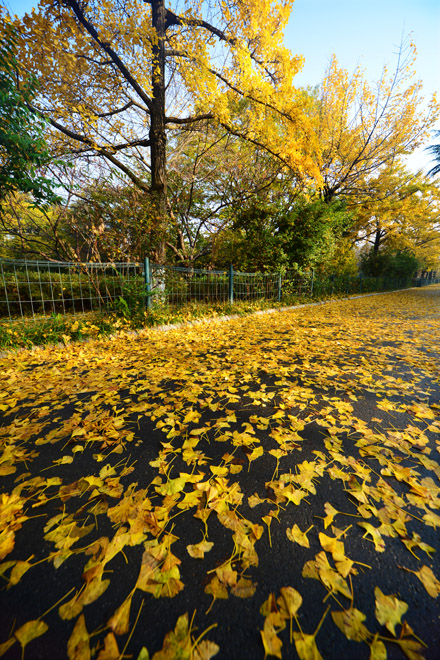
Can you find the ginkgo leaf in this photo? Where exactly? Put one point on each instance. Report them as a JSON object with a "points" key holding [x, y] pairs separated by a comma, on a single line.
{"points": [[413, 649], [227, 575], [389, 610], [216, 589], [205, 650], [29, 631], [78, 646], [378, 650], [331, 513], [372, 531], [344, 566], [416, 542], [177, 642], [255, 453], [120, 620], [91, 592], [310, 570], [269, 606], [20, 568], [432, 519], [428, 579], [198, 550], [297, 536], [244, 588], [350, 622], [271, 642], [110, 650], [65, 460], [6, 645], [253, 500], [306, 646], [290, 601], [332, 545]]}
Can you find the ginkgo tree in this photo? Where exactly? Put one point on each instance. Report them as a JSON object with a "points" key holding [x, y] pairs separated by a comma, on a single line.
{"points": [[401, 212], [362, 128], [117, 76]]}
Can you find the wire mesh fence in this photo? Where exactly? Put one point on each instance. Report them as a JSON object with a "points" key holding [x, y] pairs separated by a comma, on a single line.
{"points": [[178, 286], [173, 285], [31, 289], [42, 288]]}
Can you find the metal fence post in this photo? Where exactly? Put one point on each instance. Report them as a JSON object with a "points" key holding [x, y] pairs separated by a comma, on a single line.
{"points": [[312, 281], [279, 287], [147, 279], [231, 284]]}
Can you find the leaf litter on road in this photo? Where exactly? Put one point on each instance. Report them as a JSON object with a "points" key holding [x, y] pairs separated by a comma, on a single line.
{"points": [[167, 473]]}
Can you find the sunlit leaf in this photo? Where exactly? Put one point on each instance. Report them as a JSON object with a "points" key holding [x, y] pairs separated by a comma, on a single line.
{"points": [[389, 610], [205, 650], [306, 646], [29, 631], [297, 536], [429, 581], [120, 620], [351, 623], [110, 650], [377, 649], [78, 646], [198, 550], [271, 642], [331, 513]]}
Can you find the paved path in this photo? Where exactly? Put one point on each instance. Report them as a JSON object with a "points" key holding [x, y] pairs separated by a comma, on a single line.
{"points": [[143, 475]]}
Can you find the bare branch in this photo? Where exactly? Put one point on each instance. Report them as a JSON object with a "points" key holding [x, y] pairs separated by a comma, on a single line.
{"points": [[188, 120], [74, 5]]}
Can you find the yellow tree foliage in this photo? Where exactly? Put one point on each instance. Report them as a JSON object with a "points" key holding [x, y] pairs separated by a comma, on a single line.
{"points": [[116, 76], [361, 128], [402, 211]]}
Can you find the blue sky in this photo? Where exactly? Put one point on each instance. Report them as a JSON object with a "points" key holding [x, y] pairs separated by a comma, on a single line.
{"points": [[365, 32]]}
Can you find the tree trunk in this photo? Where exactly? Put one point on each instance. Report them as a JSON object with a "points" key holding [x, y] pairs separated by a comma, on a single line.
{"points": [[157, 130], [377, 239]]}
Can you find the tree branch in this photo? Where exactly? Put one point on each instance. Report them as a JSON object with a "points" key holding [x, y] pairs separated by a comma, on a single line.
{"points": [[187, 120], [104, 152], [172, 19], [74, 6]]}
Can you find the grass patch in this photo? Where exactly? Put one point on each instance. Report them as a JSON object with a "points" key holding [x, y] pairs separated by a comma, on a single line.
{"points": [[25, 333]]}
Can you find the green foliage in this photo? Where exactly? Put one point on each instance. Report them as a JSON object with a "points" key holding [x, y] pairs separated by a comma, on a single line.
{"points": [[270, 236], [63, 289], [23, 150], [130, 305], [395, 264], [311, 230], [113, 222], [24, 333]]}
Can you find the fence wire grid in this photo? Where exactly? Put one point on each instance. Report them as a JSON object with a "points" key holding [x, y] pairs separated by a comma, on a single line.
{"points": [[32, 289], [42, 288]]}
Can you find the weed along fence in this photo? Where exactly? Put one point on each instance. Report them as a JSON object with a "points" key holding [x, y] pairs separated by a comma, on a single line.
{"points": [[171, 285], [43, 288], [32, 289]]}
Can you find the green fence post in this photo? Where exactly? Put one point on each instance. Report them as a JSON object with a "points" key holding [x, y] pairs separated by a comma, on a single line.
{"points": [[147, 278], [279, 287], [311, 282], [231, 284]]}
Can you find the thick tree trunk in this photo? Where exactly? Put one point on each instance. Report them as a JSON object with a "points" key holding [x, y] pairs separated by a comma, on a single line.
{"points": [[157, 130], [377, 239]]}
